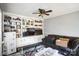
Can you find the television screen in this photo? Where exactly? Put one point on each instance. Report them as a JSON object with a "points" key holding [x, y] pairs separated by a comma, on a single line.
{"points": [[32, 31]]}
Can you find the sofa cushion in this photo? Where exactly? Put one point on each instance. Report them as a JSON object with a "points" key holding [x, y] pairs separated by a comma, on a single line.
{"points": [[63, 42]]}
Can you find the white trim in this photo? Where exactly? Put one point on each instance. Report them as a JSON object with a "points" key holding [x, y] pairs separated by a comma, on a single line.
{"points": [[0, 32]]}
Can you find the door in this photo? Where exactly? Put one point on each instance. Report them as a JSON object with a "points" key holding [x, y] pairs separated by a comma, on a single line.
{"points": [[0, 33]]}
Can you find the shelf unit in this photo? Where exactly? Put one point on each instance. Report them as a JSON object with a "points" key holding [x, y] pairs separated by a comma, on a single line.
{"points": [[12, 24], [19, 24]]}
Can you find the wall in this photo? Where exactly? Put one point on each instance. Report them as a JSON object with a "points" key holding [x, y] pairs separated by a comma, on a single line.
{"points": [[67, 24]]}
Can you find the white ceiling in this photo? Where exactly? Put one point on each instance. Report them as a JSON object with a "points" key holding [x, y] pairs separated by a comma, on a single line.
{"points": [[28, 8]]}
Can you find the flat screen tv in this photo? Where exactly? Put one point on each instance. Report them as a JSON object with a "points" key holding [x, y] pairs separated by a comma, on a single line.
{"points": [[32, 31]]}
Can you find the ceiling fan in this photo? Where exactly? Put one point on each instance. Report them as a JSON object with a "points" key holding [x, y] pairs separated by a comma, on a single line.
{"points": [[42, 12]]}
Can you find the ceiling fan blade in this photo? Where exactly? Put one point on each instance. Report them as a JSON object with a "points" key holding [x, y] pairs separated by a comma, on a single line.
{"points": [[47, 14], [49, 11]]}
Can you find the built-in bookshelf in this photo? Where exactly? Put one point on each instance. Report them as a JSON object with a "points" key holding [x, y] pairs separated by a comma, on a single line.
{"points": [[28, 30], [32, 26], [12, 24], [22, 25]]}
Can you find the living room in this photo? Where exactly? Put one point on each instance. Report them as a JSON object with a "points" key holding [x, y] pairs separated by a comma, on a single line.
{"points": [[39, 29]]}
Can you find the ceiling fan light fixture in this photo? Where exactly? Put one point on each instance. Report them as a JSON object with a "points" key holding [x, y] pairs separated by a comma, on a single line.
{"points": [[42, 12]]}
